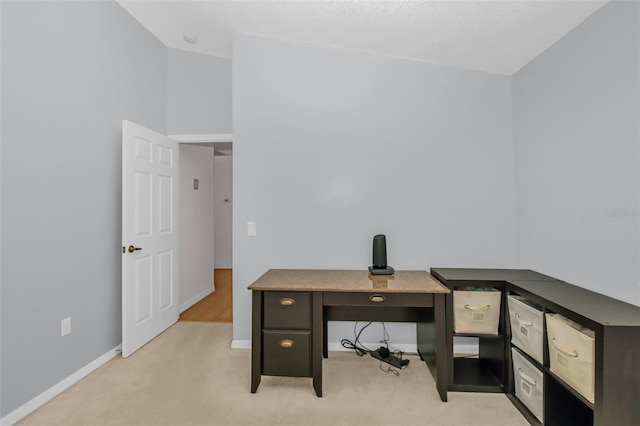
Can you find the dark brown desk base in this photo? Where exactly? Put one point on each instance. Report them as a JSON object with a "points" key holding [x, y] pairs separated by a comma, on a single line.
{"points": [[427, 310]]}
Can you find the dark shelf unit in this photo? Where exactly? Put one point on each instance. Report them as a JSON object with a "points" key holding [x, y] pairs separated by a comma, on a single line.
{"points": [[562, 408], [470, 375], [617, 348], [484, 336], [487, 372]]}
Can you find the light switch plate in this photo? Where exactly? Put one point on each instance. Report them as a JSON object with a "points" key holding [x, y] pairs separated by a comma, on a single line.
{"points": [[65, 326], [196, 183], [251, 229]]}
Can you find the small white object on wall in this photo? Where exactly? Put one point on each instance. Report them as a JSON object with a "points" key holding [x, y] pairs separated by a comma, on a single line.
{"points": [[251, 229], [65, 327]]}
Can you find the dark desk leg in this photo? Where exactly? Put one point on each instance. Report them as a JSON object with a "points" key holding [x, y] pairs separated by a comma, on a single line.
{"points": [[256, 340], [317, 347], [442, 352], [325, 347]]}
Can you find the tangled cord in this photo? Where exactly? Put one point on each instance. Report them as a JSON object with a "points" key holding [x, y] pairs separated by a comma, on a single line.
{"points": [[358, 347], [362, 350]]}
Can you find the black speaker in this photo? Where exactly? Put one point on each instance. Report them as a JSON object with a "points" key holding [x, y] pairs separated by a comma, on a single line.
{"points": [[379, 266], [379, 252]]}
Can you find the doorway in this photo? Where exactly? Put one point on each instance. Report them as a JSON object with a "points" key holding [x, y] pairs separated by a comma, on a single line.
{"points": [[217, 306], [206, 228]]}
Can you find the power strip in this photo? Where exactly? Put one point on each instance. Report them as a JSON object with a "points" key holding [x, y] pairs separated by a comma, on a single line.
{"points": [[390, 358]]}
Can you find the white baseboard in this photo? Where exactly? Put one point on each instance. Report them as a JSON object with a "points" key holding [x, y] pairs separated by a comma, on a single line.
{"points": [[409, 348], [462, 348], [46, 396], [241, 344], [195, 299], [465, 345], [333, 346], [465, 348]]}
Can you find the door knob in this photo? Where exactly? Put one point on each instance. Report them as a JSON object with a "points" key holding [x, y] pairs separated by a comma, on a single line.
{"points": [[132, 249]]}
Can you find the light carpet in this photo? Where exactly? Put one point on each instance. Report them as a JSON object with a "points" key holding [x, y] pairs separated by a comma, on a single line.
{"points": [[189, 376]]}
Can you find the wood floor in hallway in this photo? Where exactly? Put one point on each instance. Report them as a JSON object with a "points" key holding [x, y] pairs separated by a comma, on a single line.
{"points": [[216, 307]]}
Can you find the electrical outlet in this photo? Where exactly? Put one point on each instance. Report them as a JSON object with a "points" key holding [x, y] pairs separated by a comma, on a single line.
{"points": [[65, 326]]}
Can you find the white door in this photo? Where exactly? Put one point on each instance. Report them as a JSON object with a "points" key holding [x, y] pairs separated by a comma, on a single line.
{"points": [[150, 241]]}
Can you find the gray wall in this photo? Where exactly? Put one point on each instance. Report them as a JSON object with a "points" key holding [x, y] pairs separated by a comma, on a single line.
{"points": [[576, 125], [199, 94], [71, 72], [332, 147], [196, 224], [223, 216]]}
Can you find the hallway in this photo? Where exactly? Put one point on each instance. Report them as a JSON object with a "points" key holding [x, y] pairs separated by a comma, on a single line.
{"points": [[216, 307]]}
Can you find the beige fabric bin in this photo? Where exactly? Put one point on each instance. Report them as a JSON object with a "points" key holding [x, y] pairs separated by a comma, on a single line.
{"points": [[572, 354], [529, 384], [476, 311], [526, 326]]}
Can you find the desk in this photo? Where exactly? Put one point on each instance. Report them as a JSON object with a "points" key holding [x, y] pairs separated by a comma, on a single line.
{"points": [[291, 308]]}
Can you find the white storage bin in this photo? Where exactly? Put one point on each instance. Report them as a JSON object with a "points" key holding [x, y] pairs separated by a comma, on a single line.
{"points": [[529, 383], [572, 354], [526, 326], [476, 310]]}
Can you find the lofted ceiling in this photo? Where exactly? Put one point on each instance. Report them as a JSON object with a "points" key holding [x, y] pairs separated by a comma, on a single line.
{"points": [[496, 36]]}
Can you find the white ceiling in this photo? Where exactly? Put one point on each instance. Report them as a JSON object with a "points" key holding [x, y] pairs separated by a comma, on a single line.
{"points": [[495, 36]]}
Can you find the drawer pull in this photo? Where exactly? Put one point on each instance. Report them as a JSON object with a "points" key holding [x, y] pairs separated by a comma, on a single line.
{"points": [[287, 301], [522, 322], [286, 344], [376, 298], [526, 378], [477, 308]]}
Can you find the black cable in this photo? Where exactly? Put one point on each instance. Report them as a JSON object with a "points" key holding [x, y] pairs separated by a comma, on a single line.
{"points": [[360, 350], [385, 339], [385, 335], [389, 370]]}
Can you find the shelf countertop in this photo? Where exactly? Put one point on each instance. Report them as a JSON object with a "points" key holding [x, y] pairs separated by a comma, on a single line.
{"points": [[477, 274], [347, 281]]}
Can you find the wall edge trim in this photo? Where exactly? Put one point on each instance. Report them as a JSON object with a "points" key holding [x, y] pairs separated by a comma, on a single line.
{"points": [[46, 396]]}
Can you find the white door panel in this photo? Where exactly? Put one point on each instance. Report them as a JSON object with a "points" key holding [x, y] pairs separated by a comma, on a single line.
{"points": [[149, 224]]}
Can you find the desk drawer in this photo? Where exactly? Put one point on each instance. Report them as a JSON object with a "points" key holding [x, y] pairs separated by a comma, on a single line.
{"points": [[377, 299], [287, 309], [286, 353]]}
